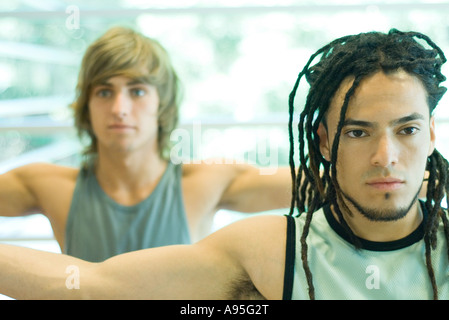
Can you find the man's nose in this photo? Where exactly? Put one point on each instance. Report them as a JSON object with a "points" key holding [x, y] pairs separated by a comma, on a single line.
{"points": [[121, 105], [386, 152]]}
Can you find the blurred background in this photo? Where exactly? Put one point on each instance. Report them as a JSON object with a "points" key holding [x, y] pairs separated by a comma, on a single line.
{"points": [[237, 60]]}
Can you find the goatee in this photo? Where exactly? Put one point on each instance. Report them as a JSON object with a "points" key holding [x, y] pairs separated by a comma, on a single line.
{"points": [[382, 214]]}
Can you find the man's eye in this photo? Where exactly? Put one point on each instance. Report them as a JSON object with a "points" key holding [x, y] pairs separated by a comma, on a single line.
{"points": [[409, 131], [103, 93], [138, 92], [356, 134]]}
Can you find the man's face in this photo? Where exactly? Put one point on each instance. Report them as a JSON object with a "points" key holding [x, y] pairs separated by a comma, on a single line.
{"points": [[123, 114], [384, 144]]}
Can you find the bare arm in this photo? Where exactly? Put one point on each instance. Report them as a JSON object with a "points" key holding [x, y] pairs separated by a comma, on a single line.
{"points": [[209, 269], [36, 188], [253, 190], [16, 196], [31, 274]]}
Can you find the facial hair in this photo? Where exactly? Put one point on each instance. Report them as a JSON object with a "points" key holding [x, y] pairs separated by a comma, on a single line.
{"points": [[384, 215]]}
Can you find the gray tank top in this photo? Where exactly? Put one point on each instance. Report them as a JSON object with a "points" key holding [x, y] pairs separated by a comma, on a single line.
{"points": [[99, 228]]}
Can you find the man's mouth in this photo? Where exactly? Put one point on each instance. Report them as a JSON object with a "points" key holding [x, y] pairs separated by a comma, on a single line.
{"points": [[120, 127], [386, 184]]}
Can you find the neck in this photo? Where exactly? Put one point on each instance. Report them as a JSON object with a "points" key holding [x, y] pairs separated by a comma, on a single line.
{"points": [[129, 177], [382, 231]]}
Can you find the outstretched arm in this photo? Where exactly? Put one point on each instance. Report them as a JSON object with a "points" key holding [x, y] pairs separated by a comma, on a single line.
{"points": [[36, 188], [218, 267], [255, 190], [178, 272], [16, 196]]}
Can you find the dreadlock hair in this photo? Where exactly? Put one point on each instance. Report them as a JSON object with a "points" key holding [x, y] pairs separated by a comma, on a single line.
{"points": [[358, 56]]}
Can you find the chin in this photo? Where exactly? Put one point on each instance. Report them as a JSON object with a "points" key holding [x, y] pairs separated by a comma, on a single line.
{"points": [[388, 207]]}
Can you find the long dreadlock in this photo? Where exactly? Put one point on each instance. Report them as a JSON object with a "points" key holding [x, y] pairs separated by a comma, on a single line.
{"points": [[315, 183]]}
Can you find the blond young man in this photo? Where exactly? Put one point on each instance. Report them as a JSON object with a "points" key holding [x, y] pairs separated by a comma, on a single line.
{"points": [[128, 195]]}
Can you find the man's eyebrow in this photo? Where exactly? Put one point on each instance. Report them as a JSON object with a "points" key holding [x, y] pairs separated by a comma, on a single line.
{"points": [[136, 81], [129, 83], [367, 124], [412, 117], [103, 83], [358, 123]]}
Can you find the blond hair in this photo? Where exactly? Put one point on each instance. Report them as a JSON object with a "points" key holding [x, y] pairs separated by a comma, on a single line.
{"points": [[124, 52]]}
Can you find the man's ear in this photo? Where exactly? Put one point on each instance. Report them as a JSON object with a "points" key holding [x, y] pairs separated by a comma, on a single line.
{"points": [[324, 142]]}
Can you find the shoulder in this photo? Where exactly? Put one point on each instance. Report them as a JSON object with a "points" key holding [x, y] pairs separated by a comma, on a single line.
{"points": [[41, 187], [251, 230], [214, 165], [44, 177], [197, 176], [39, 171], [221, 171], [258, 245]]}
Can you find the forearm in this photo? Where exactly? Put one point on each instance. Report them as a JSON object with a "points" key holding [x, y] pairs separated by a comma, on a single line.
{"points": [[32, 274]]}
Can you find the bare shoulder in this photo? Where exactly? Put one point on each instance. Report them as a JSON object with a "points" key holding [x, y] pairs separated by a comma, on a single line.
{"points": [[36, 188], [255, 227], [49, 183], [36, 177], [48, 180], [197, 176], [258, 244], [207, 181], [35, 170], [52, 187]]}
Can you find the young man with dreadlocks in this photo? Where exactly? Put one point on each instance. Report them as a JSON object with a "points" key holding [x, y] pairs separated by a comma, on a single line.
{"points": [[361, 232]]}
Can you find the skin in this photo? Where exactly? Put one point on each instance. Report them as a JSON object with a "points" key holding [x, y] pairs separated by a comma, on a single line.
{"points": [[123, 114], [389, 129], [250, 254]]}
